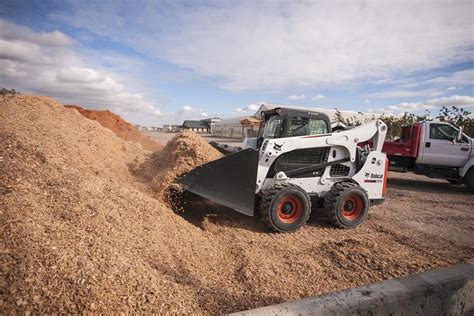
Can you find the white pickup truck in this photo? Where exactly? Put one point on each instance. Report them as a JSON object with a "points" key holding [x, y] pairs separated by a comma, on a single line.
{"points": [[435, 149]]}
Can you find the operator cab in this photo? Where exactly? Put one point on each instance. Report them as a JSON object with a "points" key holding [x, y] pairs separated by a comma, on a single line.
{"points": [[284, 122]]}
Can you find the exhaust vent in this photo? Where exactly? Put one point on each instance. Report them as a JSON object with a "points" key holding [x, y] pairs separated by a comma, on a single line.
{"points": [[339, 170]]}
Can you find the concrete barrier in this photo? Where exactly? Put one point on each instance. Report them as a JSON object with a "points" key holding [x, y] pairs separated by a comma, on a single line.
{"points": [[444, 291]]}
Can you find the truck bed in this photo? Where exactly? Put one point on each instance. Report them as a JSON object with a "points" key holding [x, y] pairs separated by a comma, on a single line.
{"points": [[408, 144]]}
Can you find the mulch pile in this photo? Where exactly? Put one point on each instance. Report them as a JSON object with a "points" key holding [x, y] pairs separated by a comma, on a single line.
{"points": [[181, 154], [84, 229], [119, 126]]}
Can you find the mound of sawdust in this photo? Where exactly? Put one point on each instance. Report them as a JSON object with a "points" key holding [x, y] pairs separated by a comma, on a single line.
{"points": [[184, 152], [80, 231], [77, 233], [119, 126]]}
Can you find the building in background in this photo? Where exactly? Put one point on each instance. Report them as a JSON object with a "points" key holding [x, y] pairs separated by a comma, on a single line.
{"points": [[197, 126], [250, 126], [170, 128], [211, 121], [229, 127]]}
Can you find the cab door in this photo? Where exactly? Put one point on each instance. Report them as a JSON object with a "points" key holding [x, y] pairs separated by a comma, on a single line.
{"points": [[439, 147]]}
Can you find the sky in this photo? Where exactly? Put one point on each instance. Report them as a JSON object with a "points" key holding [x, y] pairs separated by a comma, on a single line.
{"points": [[159, 62]]}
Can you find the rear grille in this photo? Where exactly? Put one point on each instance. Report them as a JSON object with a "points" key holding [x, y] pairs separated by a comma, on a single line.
{"points": [[339, 170]]}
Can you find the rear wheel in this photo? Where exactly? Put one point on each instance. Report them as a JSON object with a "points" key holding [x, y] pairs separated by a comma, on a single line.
{"points": [[469, 180], [285, 207], [346, 204]]}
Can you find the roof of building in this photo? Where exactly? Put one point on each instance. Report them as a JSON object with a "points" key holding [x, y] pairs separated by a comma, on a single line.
{"points": [[250, 120], [231, 120], [195, 124]]}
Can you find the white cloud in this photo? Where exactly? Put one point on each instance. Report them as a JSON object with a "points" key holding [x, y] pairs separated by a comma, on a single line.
{"points": [[366, 101], [465, 101], [319, 97], [187, 108], [453, 88], [458, 78], [296, 97], [270, 45], [406, 93], [251, 108], [187, 112], [460, 100], [254, 107], [46, 63]]}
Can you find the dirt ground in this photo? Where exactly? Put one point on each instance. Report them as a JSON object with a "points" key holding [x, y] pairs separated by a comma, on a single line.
{"points": [[82, 231]]}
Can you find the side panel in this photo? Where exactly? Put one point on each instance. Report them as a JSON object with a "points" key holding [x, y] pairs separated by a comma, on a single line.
{"points": [[372, 175]]}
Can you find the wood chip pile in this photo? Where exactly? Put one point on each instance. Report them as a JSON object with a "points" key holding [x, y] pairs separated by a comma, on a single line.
{"points": [[119, 126], [84, 228]]}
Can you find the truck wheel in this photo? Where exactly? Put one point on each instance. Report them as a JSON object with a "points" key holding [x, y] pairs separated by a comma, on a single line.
{"points": [[346, 204], [469, 180], [285, 207]]}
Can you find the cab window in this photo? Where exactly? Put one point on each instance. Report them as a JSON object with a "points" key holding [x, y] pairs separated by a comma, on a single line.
{"points": [[443, 131], [273, 127], [301, 126]]}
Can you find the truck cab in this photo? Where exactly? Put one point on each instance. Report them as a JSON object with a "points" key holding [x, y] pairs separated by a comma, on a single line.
{"points": [[442, 144], [435, 149]]}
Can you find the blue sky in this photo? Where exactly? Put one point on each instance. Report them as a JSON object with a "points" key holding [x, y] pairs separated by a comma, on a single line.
{"points": [[155, 62]]}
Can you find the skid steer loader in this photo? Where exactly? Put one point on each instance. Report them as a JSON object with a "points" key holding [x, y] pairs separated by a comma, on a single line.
{"points": [[296, 164]]}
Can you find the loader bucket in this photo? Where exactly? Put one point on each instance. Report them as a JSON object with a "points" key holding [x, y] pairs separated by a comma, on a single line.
{"points": [[229, 181]]}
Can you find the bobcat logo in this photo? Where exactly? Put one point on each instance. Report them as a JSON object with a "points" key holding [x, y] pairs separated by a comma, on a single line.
{"points": [[277, 147]]}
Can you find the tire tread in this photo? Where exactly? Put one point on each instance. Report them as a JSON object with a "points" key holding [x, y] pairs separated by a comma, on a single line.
{"points": [[331, 198], [267, 198]]}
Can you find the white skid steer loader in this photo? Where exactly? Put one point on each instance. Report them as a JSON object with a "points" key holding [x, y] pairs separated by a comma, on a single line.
{"points": [[296, 165]]}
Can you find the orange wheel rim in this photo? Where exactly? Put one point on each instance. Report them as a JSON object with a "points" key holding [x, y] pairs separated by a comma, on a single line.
{"points": [[352, 207], [289, 209]]}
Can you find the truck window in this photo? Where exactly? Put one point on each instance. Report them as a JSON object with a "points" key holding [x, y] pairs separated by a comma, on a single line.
{"points": [[273, 127], [301, 126], [443, 131]]}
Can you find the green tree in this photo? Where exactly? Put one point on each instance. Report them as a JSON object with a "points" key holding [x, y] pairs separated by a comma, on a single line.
{"points": [[5, 91], [459, 117]]}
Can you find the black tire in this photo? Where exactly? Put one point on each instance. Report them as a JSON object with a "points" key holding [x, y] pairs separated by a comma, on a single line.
{"points": [[285, 207], [346, 204], [454, 181], [469, 180]]}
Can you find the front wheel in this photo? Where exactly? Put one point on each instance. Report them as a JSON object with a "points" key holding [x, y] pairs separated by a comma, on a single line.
{"points": [[469, 180], [285, 207], [346, 204]]}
